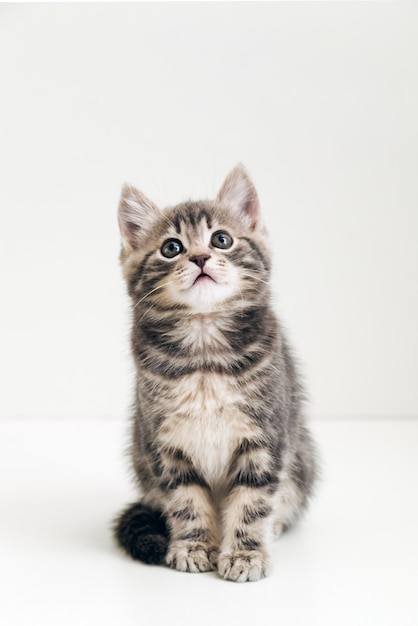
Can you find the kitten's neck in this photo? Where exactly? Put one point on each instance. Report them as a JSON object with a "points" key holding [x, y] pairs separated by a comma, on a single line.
{"points": [[234, 326]]}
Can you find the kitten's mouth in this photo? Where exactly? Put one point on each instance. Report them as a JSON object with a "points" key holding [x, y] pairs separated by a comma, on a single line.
{"points": [[203, 278]]}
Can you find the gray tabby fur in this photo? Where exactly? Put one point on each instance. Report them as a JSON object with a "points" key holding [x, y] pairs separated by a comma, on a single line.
{"points": [[219, 444]]}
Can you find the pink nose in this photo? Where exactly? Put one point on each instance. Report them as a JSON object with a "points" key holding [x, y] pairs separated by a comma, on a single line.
{"points": [[200, 259]]}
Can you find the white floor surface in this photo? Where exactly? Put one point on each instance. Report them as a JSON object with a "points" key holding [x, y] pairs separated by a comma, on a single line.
{"points": [[352, 561]]}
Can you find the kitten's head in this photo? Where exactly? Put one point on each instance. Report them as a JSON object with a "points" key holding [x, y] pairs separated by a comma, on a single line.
{"points": [[196, 255]]}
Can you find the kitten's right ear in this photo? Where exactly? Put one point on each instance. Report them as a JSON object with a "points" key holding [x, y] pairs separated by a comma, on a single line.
{"points": [[238, 192], [136, 216]]}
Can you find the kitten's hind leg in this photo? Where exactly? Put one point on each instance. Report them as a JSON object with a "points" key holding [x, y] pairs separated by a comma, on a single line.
{"points": [[297, 481], [142, 533], [290, 503]]}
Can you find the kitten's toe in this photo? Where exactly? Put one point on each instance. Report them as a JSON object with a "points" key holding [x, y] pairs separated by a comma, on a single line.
{"points": [[244, 566], [192, 557]]}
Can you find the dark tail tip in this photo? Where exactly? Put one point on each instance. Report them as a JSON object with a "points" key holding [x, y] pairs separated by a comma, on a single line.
{"points": [[142, 533]]}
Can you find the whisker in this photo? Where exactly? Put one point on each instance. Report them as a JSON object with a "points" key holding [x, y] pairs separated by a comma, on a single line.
{"points": [[255, 278], [146, 312], [242, 301], [152, 291]]}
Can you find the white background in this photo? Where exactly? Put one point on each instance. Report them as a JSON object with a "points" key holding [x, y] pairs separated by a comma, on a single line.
{"points": [[319, 101]]}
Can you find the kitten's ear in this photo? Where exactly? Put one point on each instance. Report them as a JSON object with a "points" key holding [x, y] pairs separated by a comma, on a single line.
{"points": [[238, 192], [136, 216]]}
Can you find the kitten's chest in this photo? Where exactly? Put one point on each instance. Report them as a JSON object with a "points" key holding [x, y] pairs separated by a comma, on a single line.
{"points": [[206, 423]]}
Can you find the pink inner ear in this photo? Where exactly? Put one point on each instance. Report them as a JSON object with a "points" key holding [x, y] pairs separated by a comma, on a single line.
{"points": [[137, 215], [250, 209], [128, 228], [130, 231], [239, 193]]}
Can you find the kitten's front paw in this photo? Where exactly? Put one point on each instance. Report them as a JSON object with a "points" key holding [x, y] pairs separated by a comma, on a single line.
{"points": [[192, 557], [243, 566]]}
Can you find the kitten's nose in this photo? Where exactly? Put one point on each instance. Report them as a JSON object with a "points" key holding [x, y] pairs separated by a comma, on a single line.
{"points": [[200, 259]]}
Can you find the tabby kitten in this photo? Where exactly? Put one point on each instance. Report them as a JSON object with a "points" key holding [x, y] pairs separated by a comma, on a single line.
{"points": [[219, 446]]}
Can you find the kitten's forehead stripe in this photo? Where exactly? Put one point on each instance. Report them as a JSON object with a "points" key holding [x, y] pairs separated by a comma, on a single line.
{"points": [[203, 214], [190, 216], [176, 222]]}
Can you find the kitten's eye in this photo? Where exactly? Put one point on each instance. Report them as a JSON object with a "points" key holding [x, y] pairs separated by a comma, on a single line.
{"points": [[171, 248], [221, 240]]}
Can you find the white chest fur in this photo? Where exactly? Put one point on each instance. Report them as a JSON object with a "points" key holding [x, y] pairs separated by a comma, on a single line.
{"points": [[206, 424]]}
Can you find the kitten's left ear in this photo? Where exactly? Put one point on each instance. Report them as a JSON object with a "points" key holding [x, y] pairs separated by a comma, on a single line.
{"points": [[238, 192]]}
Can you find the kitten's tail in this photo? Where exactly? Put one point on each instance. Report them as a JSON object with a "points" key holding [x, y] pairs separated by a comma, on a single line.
{"points": [[142, 533]]}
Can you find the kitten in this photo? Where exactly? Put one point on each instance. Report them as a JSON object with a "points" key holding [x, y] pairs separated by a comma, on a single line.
{"points": [[220, 449]]}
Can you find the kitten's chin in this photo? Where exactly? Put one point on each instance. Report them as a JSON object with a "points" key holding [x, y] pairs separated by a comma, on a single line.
{"points": [[204, 295]]}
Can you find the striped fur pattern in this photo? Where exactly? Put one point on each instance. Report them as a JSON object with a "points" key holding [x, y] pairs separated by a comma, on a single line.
{"points": [[220, 450]]}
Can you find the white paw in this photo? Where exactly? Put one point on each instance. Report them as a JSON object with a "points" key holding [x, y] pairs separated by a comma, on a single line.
{"points": [[243, 566], [191, 557]]}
